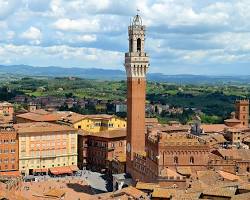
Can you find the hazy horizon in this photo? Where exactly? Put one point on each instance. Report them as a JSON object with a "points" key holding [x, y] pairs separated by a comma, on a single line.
{"points": [[183, 36], [78, 67]]}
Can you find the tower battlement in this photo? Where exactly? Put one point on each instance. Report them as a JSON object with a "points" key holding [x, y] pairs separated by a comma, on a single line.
{"points": [[242, 101]]}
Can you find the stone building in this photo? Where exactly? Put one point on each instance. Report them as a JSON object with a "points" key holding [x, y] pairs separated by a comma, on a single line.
{"points": [[242, 112], [8, 149], [231, 160], [44, 147], [92, 123], [103, 151], [6, 109], [170, 153]]}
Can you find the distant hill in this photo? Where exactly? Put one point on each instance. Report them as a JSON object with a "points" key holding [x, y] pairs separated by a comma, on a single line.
{"points": [[108, 74]]}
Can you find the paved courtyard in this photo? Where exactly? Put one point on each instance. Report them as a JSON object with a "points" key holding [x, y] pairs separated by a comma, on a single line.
{"points": [[99, 182]]}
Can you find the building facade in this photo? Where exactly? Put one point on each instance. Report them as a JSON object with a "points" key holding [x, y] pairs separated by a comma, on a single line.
{"points": [[93, 123], [97, 151], [242, 112], [44, 146], [136, 65], [6, 109], [8, 149], [97, 123]]}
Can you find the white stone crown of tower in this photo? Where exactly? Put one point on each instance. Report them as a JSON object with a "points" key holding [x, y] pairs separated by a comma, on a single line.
{"points": [[136, 60]]}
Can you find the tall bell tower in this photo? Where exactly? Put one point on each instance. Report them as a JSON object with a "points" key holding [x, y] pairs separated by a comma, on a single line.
{"points": [[136, 64]]}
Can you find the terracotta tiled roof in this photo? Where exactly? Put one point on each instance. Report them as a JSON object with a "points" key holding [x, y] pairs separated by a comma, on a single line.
{"points": [[208, 177], [186, 196], [235, 154], [184, 170], [146, 186], [99, 116], [229, 176], [166, 172], [167, 128], [220, 192], [151, 120], [60, 170], [233, 120], [213, 128], [130, 191], [55, 193], [214, 138], [71, 117], [245, 196], [38, 117], [163, 193], [38, 127]]}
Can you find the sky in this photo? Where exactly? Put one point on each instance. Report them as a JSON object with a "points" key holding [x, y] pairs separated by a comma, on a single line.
{"points": [[210, 37]]}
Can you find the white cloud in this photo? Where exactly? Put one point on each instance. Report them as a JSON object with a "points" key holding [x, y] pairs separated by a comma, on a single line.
{"points": [[33, 34], [55, 55], [8, 7], [179, 32], [86, 38], [81, 25]]}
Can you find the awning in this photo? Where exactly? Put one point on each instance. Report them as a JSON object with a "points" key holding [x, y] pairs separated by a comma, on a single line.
{"points": [[74, 168], [40, 170], [10, 174], [60, 170]]}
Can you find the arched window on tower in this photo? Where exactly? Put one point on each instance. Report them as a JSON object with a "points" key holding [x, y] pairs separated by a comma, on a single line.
{"points": [[248, 169], [139, 44], [130, 45], [191, 160], [175, 160]]}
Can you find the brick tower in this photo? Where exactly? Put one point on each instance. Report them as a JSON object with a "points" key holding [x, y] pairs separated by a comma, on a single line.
{"points": [[136, 64], [242, 112]]}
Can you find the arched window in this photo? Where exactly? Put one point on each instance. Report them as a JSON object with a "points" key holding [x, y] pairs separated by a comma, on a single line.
{"points": [[131, 45], [138, 44], [175, 160], [139, 81], [248, 169], [191, 160]]}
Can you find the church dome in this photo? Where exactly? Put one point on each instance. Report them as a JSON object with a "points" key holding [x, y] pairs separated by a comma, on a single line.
{"points": [[137, 21]]}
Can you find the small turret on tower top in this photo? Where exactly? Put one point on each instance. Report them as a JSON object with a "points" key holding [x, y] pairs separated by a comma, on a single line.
{"points": [[137, 21]]}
